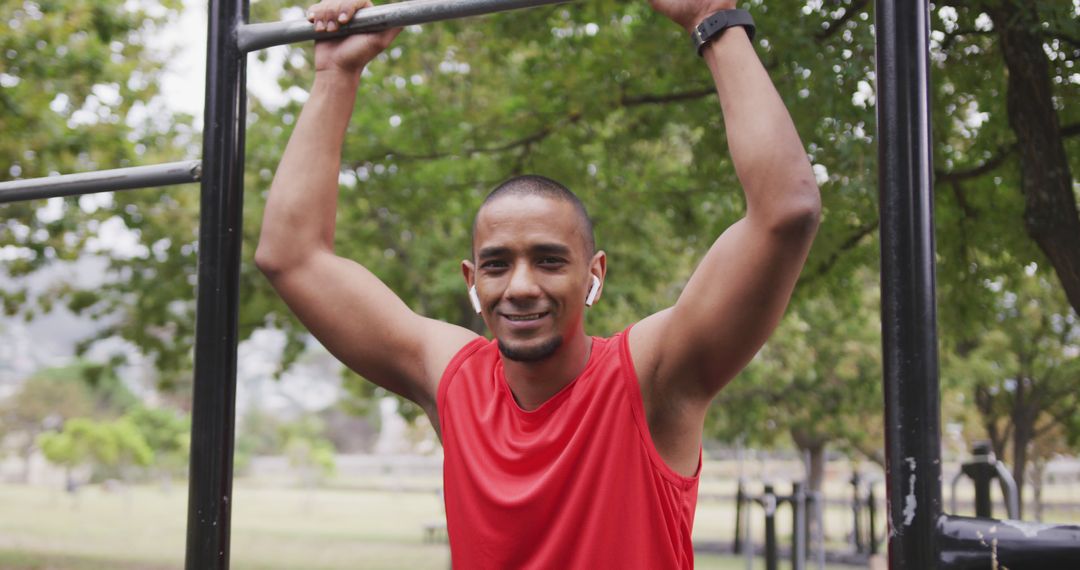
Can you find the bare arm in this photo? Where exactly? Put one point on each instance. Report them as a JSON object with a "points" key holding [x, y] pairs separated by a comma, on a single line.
{"points": [[360, 320], [737, 295]]}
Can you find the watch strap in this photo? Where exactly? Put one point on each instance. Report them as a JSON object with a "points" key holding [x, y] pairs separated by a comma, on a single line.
{"points": [[714, 25]]}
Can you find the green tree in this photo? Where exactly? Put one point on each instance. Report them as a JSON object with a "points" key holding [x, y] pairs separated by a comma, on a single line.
{"points": [[77, 84], [303, 440], [108, 446], [634, 128], [78, 92], [168, 433], [52, 396], [43, 403], [817, 381], [312, 457], [1023, 370]]}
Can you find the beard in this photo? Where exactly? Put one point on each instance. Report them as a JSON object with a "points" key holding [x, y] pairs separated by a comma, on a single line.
{"points": [[531, 353]]}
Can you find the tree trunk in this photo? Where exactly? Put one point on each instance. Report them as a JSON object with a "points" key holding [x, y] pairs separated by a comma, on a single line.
{"points": [[1051, 216], [1024, 414], [1038, 472], [1021, 440], [813, 447], [984, 402], [28, 455], [816, 468]]}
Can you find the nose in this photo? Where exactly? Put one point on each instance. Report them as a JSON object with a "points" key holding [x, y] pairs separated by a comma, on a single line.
{"points": [[522, 285]]}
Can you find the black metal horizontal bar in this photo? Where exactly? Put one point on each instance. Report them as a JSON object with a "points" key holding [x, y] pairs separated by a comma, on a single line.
{"points": [[971, 543], [252, 37], [101, 181]]}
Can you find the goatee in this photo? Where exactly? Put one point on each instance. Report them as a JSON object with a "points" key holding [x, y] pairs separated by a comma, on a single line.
{"points": [[531, 353]]}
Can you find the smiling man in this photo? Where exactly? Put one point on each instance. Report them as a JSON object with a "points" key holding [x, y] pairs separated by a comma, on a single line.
{"points": [[562, 450]]}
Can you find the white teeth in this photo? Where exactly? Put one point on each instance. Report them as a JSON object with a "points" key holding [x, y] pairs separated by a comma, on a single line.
{"points": [[531, 317]]}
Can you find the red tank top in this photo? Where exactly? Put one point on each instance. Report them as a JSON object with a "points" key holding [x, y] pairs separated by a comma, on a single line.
{"points": [[573, 484]]}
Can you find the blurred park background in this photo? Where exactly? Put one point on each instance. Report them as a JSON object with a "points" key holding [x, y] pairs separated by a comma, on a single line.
{"points": [[98, 291]]}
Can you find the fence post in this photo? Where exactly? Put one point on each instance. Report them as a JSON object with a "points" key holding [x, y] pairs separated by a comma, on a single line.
{"points": [[798, 526], [768, 501], [856, 514], [871, 507], [214, 392], [740, 497]]}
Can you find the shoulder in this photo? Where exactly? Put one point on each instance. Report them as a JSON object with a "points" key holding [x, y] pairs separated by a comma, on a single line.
{"points": [[478, 352], [478, 356], [643, 343], [619, 358]]}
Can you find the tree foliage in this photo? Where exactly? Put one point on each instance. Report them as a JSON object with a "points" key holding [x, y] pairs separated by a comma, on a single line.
{"points": [[605, 96], [167, 433], [1023, 371], [83, 414], [105, 444], [817, 381], [44, 402], [50, 397], [79, 92]]}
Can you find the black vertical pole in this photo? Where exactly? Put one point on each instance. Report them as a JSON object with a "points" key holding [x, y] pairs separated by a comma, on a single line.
{"points": [[982, 469], [214, 397], [768, 500], [798, 526], [984, 505], [908, 311], [856, 514], [740, 497], [871, 507]]}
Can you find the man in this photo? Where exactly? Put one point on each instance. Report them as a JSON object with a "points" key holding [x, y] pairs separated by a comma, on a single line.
{"points": [[561, 450]]}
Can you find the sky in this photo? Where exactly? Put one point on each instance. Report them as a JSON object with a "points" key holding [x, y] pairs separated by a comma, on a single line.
{"points": [[184, 82]]}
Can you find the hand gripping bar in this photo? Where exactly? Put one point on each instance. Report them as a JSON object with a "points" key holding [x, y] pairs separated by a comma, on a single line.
{"points": [[252, 37]]}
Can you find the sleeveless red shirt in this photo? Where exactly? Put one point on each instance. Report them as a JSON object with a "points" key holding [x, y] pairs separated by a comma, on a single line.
{"points": [[573, 484]]}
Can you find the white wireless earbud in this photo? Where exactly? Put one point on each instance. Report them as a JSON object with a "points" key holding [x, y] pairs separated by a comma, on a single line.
{"points": [[591, 298], [474, 299]]}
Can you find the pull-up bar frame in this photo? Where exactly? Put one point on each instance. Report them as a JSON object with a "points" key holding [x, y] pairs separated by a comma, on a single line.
{"points": [[132, 178], [229, 39], [251, 37], [921, 537]]}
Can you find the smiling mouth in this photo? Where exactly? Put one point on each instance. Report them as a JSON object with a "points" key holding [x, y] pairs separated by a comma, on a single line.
{"points": [[525, 318]]}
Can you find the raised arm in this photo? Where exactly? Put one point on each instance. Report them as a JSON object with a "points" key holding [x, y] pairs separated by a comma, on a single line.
{"points": [[737, 295], [361, 321]]}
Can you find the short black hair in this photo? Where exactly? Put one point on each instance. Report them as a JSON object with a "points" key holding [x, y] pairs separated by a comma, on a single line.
{"points": [[536, 185]]}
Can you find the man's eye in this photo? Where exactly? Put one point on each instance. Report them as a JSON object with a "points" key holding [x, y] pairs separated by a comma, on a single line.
{"points": [[551, 261], [493, 265]]}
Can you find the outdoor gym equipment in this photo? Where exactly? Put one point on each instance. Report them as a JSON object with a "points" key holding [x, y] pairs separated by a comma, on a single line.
{"points": [[801, 502], [863, 516], [220, 172], [982, 469], [251, 37], [921, 537]]}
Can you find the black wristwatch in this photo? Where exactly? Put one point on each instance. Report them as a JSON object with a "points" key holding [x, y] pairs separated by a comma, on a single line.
{"points": [[715, 25]]}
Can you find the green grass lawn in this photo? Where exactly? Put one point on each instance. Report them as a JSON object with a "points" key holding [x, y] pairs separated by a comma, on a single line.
{"points": [[273, 529]]}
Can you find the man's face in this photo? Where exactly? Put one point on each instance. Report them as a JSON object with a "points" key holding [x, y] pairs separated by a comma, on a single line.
{"points": [[532, 273]]}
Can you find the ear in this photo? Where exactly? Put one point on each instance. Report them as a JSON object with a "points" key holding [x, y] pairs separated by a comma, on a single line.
{"points": [[468, 271], [598, 269], [594, 290]]}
